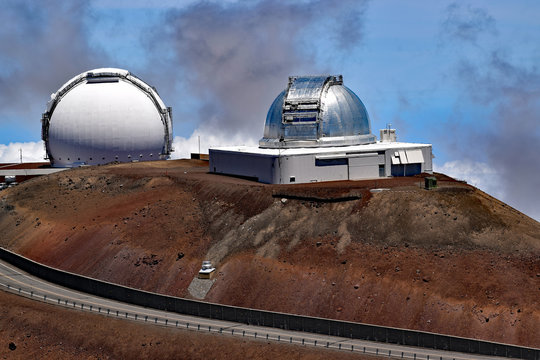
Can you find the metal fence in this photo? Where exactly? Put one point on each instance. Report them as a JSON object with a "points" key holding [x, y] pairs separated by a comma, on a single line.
{"points": [[268, 318]]}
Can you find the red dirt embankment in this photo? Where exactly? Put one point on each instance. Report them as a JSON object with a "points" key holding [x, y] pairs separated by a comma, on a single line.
{"points": [[452, 260], [41, 331]]}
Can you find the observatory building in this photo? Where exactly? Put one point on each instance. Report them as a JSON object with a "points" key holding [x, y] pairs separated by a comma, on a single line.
{"points": [[317, 129], [106, 115]]}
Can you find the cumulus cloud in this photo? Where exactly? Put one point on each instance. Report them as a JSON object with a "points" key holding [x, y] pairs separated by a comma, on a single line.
{"points": [[183, 146], [42, 45], [510, 91], [236, 57], [31, 152]]}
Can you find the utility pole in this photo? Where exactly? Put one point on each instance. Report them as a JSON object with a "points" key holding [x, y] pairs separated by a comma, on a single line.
{"points": [[199, 136], [20, 154]]}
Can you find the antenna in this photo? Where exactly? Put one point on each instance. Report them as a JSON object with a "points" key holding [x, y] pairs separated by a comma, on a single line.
{"points": [[20, 154]]}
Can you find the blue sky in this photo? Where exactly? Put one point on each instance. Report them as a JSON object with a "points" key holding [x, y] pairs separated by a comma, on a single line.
{"points": [[461, 75]]}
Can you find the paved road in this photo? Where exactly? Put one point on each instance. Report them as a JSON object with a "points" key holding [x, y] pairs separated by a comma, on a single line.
{"points": [[17, 281]]}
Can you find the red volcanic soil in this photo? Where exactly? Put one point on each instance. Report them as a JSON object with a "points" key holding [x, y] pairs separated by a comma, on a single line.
{"points": [[41, 331], [452, 260]]}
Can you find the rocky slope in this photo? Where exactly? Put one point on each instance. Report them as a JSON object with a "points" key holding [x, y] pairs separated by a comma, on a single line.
{"points": [[452, 260]]}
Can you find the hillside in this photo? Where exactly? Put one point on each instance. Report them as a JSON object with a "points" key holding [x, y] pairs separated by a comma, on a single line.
{"points": [[452, 260]]}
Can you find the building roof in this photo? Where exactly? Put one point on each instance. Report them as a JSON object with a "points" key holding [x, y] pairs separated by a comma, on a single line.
{"points": [[373, 147]]}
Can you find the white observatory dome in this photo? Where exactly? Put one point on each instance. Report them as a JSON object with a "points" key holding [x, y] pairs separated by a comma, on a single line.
{"points": [[316, 111], [106, 115]]}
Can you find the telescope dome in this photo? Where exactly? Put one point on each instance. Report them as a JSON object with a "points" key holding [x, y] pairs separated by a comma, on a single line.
{"points": [[106, 115], [316, 111]]}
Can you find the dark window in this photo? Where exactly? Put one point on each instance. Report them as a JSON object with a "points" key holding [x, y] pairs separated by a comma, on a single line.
{"points": [[406, 170], [381, 171], [331, 162], [292, 179]]}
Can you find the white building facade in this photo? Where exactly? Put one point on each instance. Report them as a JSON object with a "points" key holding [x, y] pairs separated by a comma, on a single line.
{"points": [[319, 130]]}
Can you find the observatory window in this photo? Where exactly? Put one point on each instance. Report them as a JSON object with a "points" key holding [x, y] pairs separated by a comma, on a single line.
{"points": [[292, 179], [381, 171], [331, 162], [79, 159], [90, 158], [116, 157]]}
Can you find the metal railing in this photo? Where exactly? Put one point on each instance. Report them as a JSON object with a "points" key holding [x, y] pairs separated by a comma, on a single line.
{"points": [[269, 319]]}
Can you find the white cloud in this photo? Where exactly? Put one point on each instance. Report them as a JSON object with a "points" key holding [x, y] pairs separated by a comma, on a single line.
{"points": [[31, 152], [484, 177], [476, 173], [183, 147]]}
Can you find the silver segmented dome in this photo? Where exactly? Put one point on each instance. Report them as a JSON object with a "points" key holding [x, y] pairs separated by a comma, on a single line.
{"points": [[106, 115], [316, 111]]}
